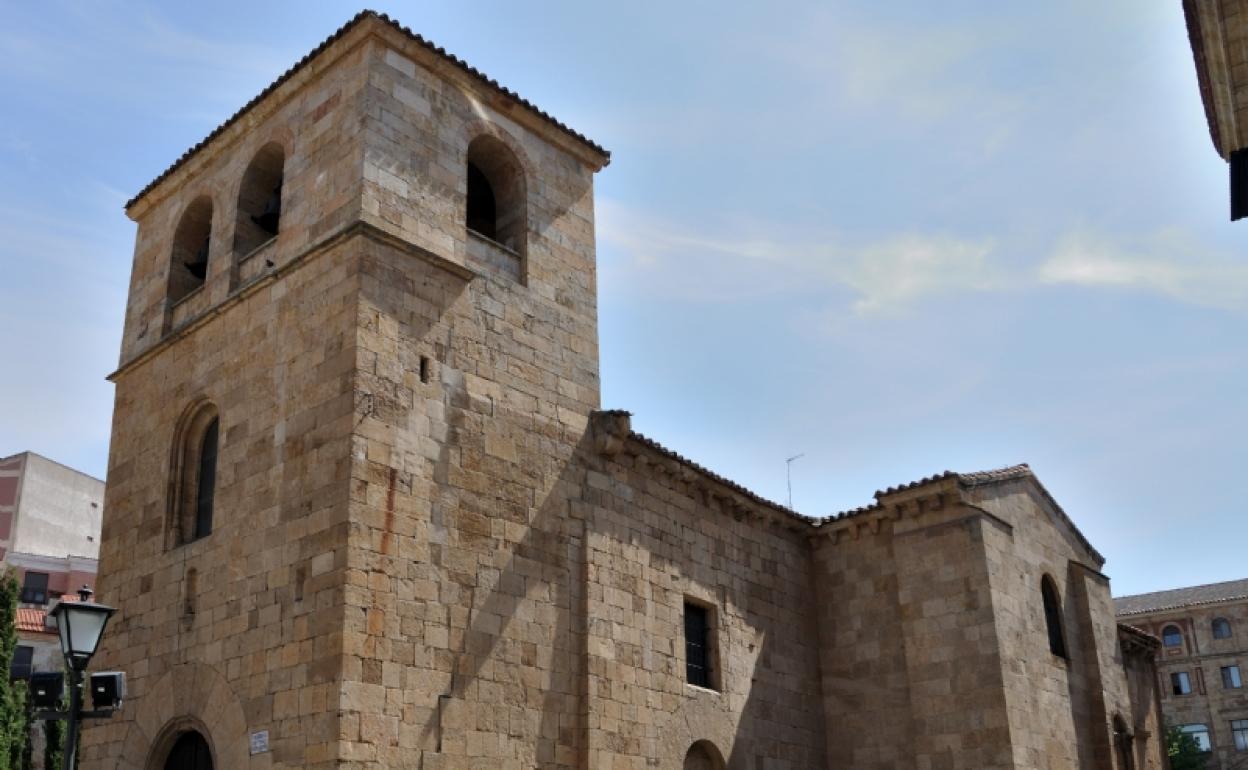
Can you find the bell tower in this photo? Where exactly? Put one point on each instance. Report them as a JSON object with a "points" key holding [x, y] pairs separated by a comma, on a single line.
{"points": [[360, 353]]}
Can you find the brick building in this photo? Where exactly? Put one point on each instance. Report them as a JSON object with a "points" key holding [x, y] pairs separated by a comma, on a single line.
{"points": [[1202, 663], [365, 509], [50, 517]]}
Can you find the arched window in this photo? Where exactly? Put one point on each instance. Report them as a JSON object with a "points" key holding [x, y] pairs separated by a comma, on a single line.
{"points": [[703, 756], [1171, 636], [188, 264], [194, 475], [496, 194], [1221, 628], [260, 200], [189, 752], [1053, 616]]}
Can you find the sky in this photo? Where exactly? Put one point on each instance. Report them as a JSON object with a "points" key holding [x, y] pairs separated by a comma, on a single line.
{"points": [[894, 238]]}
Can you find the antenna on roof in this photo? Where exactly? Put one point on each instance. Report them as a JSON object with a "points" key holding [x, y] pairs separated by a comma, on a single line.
{"points": [[788, 475]]}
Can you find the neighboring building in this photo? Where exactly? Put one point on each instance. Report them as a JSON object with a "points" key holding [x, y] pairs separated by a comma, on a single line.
{"points": [[365, 511], [1218, 31], [1202, 664], [50, 518]]}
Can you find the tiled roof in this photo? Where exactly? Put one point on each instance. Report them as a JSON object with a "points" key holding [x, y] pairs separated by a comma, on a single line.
{"points": [[1176, 598], [748, 494], [971, 480], [1195, 36], [476, 74], [29, 619]]}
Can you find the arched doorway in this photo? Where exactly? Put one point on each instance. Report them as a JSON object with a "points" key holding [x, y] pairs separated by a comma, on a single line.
{"points": [[189, 752], [703, 756]]}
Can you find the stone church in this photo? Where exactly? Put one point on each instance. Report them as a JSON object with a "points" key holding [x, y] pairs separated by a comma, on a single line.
{"points": [[364, 509]]}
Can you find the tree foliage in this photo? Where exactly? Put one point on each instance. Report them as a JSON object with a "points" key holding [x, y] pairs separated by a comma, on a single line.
{"points": [[1184, 751], [14, 717]]}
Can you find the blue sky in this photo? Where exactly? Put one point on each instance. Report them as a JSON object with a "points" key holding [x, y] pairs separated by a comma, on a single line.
{"points": [[895, 237]]}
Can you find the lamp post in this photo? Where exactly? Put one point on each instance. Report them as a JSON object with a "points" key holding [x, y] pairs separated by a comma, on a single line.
{"points": [[80, 625]]}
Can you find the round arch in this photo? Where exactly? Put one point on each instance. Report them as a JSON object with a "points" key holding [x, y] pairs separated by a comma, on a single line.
{"points": [[703, 755], [184, 743]]}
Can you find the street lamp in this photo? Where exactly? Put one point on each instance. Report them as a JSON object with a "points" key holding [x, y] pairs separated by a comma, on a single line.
{"points": [[80, 625]]}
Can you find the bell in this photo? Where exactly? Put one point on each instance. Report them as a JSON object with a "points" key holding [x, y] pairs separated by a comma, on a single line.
{"points": [[199, 267], [272, 214]]}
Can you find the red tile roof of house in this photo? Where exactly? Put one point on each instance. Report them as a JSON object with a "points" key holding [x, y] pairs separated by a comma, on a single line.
{"points": [[29, 619]]}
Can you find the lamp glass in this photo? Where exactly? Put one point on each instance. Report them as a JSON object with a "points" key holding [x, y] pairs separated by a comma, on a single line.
{"points": [[80, 625]]}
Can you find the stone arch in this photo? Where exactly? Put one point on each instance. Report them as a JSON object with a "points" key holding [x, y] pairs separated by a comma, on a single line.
{"points": [[169, 736], [190, 250], [190, 696], [260, 201], [1052, 601], [496, 192], [703, 755], [198, 420]]}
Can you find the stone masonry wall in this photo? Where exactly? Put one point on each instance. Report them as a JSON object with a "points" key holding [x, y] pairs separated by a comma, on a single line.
{"points": [[256, 642], [656, 537]]}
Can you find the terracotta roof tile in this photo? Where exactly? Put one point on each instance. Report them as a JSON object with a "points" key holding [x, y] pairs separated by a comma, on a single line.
{"points": [[359, 17], [1176, 598], [29, 619]]}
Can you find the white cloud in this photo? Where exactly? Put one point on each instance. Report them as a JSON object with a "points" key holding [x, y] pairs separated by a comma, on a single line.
{"points": [[753, 261], [1170, 262]]}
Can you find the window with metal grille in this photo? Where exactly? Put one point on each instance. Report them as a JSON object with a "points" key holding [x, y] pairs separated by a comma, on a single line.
{"points": [[1181, 683], [23, 660], [697, 645], [35, 588], [1230, 678]]}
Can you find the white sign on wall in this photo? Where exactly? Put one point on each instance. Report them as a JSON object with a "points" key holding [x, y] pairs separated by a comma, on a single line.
{"points": [[260, 742]]}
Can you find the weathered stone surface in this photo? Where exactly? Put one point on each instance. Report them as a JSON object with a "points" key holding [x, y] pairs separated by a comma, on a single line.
{"points": [[430, 550]]}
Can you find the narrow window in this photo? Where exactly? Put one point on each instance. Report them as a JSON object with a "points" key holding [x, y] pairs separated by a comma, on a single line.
{"points": [[35, 588], [207, 481], [1171, 636], [482, 209], [1181, 683], [23, 662], [1201, 735], [260, 200], [424, 369], [1230, 678], [1053, 616], [1221, 628], [193, 476], [496, 197], [698, 645], [188, 265], [1239, 731]]}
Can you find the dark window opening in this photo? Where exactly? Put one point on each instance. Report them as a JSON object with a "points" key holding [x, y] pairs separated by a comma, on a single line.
{"points": [[1171, 636], [188, 267], [697, 645], [191, 752], [207, 481], [1231, 679], [1239, 184], [424, 369], [260, 200], [1180, 683], [1221, 628], [35, 588], [1053, 616], [23, 662], [496, 198], [482, 209]]}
